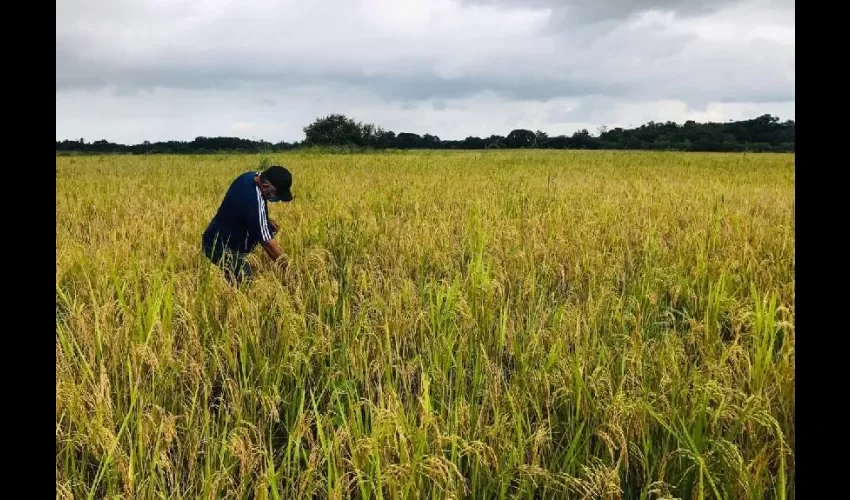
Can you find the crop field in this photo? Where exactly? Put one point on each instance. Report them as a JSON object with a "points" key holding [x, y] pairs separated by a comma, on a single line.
{"points": [[494, 324]]}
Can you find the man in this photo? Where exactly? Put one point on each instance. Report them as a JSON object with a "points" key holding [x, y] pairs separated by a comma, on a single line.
{"points": [[242, 221]]}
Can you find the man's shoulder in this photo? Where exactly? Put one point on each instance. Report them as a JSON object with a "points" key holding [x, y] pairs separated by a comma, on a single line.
{"points": [[245, 178], [245, 194], [244, 184]]}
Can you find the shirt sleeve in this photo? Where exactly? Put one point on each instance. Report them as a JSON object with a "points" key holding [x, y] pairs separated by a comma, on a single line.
{"points": [[259, 220]]}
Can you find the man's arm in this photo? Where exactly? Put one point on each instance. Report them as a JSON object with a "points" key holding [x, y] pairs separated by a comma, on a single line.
{"points": [[260, 226], [276, 255], [273, 250]]}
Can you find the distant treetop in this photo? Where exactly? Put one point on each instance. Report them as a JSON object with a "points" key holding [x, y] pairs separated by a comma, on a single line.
{"points": [[765, 133]]}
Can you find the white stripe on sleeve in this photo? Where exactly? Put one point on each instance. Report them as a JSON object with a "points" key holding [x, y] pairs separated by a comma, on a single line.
{"points": [[264, 227]]}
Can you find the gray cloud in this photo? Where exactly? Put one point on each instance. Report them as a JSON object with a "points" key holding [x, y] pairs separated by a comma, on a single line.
{"points": [[571, 12], [417, 86], [577, 12], [431, 57]]}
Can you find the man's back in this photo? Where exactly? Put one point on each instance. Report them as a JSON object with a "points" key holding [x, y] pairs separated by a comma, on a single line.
{"points": [[241, 221]]}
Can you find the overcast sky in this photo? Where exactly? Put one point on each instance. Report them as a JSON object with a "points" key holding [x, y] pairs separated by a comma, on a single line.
{"points": [[135, 70]]}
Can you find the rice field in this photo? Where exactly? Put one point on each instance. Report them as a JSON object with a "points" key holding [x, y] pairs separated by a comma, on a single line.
{"points": [[523, 324]]}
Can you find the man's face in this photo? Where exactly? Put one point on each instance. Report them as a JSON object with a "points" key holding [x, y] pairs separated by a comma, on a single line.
{"points": [[269, 192]]}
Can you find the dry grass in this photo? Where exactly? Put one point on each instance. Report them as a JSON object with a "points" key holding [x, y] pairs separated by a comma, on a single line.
{"points": [[453, 325]]}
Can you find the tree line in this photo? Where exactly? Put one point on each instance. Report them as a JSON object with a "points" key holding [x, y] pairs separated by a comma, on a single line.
{"points": [[765, 133]]}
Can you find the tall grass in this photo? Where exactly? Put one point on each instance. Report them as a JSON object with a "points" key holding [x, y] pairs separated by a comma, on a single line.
{"points": [[452, 325]]}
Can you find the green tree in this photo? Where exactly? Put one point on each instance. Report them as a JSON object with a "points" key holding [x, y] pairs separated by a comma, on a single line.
{"points": [[520, 138], [334, 130]]}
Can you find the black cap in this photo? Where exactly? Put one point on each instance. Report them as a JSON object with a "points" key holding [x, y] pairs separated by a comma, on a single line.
{"points": [[281, 179]]}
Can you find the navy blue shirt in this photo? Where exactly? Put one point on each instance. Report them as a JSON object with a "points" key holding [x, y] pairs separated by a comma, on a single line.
{"points": [[241, 221]]}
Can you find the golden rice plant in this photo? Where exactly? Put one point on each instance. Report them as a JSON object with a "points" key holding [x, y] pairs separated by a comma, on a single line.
{"points": [[525, 324]]}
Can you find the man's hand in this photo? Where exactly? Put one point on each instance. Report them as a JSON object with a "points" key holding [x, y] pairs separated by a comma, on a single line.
{"points": [[283, 265], [275, 254]]}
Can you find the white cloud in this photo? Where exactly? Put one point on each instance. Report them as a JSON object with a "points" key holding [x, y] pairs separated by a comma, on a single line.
{"points": [[132, 70], [242, 127]]}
